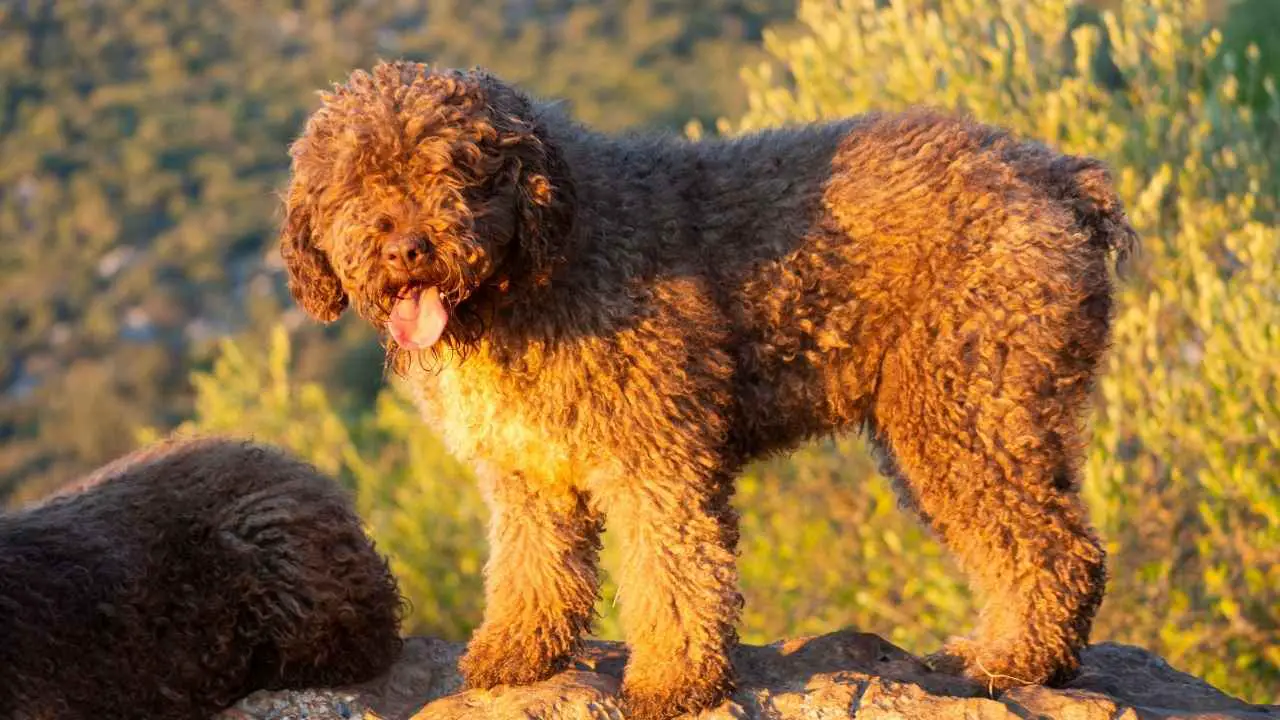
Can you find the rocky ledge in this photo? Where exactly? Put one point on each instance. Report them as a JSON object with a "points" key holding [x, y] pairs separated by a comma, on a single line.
{"points": [[841, 675]]}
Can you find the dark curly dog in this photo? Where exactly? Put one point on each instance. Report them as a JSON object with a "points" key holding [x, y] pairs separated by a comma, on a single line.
{"points": [[613, 326], [182, 578]]}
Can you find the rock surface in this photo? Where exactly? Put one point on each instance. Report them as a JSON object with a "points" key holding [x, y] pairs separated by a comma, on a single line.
{"points": [[841, 675]]}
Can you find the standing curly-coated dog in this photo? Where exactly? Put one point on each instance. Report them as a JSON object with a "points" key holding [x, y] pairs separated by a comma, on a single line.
{"points": [[612, 326], [182, 578]]}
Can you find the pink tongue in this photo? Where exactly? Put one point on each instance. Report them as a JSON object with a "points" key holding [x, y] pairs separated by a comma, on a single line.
{"points": [[418, 320]]}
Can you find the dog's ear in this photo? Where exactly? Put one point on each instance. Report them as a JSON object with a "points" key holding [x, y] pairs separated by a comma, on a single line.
{"points": [[312, 281], [545, 200], [544, 191]]}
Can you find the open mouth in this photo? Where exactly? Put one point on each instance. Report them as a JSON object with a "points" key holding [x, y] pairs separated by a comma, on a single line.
{"points": [[418, 318]]}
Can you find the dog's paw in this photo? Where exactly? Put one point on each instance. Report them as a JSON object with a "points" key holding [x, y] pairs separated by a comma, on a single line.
{"points": [[491, 661], [999, 667], [654, 701]]}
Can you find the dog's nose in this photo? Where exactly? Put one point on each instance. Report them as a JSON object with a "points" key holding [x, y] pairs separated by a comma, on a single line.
{"points": [[406, 253]]}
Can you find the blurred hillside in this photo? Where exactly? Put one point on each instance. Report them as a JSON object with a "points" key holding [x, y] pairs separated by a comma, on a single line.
{"points": [[143, 142]]}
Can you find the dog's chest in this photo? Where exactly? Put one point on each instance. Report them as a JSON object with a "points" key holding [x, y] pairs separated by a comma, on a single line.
{"points": [[496, 424]]}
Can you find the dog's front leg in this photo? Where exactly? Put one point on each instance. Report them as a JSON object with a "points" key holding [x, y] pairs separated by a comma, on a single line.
{"points": [[678, 590], [540, 582]]}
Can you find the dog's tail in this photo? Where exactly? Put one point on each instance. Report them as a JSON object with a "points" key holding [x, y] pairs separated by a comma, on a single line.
{"points": [[1086, 184]]}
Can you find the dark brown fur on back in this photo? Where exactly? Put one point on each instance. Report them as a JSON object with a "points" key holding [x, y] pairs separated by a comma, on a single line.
{"points": [[182, 578], [632, 319]]}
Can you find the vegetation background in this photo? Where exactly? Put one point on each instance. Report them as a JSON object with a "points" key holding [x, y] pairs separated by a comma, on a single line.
{"points": [[143, 142]]}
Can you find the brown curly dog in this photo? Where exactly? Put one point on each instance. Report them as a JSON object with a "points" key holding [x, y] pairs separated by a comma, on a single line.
{"points": [[612, 326], [182, 578]]}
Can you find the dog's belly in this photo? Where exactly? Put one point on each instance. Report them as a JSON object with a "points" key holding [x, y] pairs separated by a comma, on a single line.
{"points": [[810, 332], [796, 399]]}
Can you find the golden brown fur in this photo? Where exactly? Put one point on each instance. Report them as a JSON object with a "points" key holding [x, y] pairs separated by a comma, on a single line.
{"points": [[631, 319], [183, 577]]}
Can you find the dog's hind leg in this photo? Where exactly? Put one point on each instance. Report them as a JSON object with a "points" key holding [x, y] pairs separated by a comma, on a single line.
{"points": [[540, 583], [983, 420]]}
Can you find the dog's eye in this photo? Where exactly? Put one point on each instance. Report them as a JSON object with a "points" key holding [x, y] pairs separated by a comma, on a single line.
{"points": [[384, 225]]}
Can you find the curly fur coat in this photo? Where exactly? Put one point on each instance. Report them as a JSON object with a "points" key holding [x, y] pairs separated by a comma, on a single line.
{"points": [[608, 328], [181, 578]]}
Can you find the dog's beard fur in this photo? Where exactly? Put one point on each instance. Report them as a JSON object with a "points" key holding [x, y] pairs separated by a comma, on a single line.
{"points": [[458, 281]]}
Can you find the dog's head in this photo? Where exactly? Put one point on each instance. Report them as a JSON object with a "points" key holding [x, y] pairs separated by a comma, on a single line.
{"points": [[413, 193]]}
